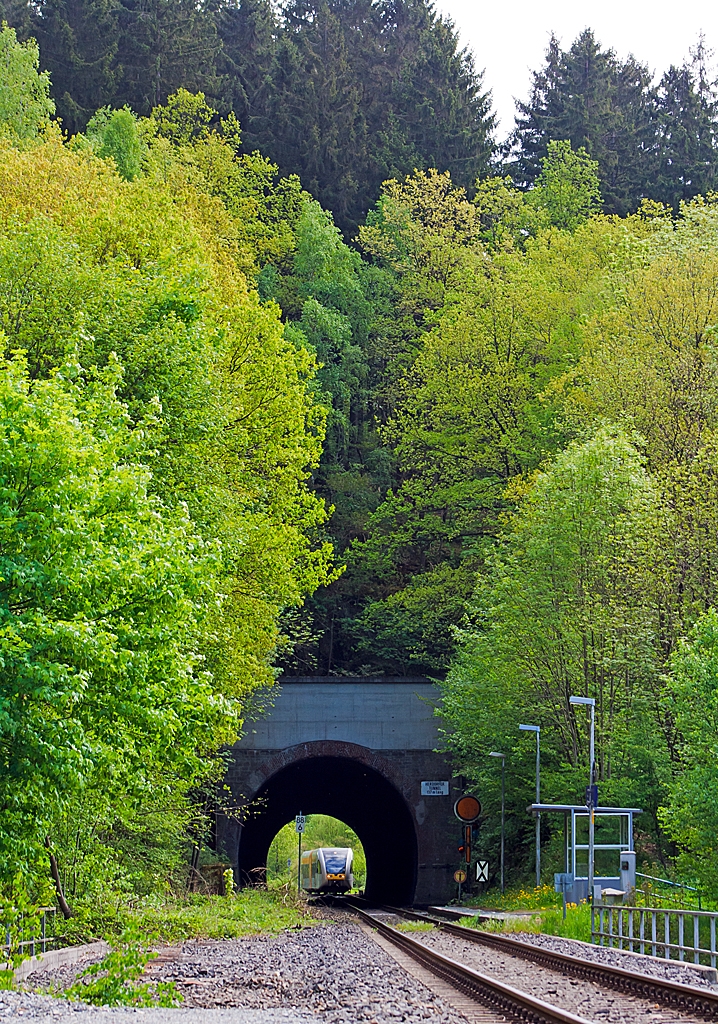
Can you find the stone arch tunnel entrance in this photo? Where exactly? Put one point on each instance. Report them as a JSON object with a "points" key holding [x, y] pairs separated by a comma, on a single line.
{"points": [[362, 750], [355, 793]]}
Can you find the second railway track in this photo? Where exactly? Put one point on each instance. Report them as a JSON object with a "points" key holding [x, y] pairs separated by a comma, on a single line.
{"points": [[531, 983]]}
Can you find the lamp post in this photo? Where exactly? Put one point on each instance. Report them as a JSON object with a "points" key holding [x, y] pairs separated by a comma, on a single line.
{"points": [[537, 730], [591, 703], [495, 753]]}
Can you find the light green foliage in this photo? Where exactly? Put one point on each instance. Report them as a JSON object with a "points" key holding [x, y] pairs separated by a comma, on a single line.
{"points": [[185, 118], [474, 411], [170, 522], [525, 897], [20, 919], [691, 816], [650, 356], [567, 191], [505, 217], [597, 600], [104, 593], [115, 134], [562, 610], [25, 104], [114, 981], [576, 925]]}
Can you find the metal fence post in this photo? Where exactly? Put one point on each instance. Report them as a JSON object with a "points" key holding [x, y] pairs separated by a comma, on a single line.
{"points": [[681, 936]]}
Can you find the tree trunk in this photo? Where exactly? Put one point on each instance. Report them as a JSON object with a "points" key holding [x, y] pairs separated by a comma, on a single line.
{"points": [[64, 905]]}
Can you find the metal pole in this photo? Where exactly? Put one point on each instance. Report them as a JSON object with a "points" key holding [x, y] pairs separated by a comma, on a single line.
{"points": [[538, 801], [299, 860], [503, 814], [537, 729], [588, 702], [591, 810]]}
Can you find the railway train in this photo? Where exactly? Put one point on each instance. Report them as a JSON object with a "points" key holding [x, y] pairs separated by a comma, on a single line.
{"points": [[328, 869]]}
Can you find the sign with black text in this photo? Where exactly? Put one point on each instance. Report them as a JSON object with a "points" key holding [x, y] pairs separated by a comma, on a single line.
{"points": [[435, 788]]}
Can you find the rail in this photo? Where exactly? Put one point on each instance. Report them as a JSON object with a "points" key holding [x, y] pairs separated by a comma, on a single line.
{"points": [[693, 998], [641, 930], [34, 934], [481, 987]]}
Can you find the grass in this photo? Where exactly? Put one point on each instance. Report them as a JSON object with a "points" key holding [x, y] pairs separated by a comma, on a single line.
{"points": [[194, 916], [415, 926], [548, 921], [541, 897]]}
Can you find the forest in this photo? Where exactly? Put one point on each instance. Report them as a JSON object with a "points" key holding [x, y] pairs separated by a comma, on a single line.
{"points": [[304, 373]]}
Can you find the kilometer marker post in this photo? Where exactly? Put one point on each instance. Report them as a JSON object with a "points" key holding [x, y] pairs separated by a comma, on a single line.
{"points": [[299, 823]]}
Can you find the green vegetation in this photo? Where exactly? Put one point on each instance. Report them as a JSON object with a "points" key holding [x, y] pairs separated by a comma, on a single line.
{"points": [[114, 981], [193, 916], [542, 897], [349, 94], [479, 442], [321, 830], [345, 95], [415, 926], [576, 925], [157, 434]]}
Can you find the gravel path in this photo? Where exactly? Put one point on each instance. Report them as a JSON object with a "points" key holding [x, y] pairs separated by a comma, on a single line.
{"points": [[584, 998], [327, 974], [19, 1006]]}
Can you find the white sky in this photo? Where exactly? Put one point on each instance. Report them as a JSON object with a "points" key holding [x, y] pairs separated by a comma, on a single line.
{"points": [[509, 37]]}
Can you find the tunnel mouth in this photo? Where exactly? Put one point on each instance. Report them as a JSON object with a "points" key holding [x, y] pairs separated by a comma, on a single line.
{"points": [[356, 794]]}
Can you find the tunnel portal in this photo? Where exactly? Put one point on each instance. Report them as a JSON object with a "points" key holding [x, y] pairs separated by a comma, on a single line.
{"points": [[356, 794], [362, 750]]}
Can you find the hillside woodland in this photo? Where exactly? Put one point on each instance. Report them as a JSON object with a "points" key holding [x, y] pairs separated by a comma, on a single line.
{"points": [[472, 437]]}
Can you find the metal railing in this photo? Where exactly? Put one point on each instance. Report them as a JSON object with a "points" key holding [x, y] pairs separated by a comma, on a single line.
{"points": [[34, 935], [657, 931], [650, 890]]}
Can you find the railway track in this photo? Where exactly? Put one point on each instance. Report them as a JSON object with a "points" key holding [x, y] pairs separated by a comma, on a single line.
{"points": [[684, 1002]]}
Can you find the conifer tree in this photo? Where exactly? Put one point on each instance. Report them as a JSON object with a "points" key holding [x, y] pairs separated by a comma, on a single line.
{"points": [[79, 42], [587, 96], [687, 116]]}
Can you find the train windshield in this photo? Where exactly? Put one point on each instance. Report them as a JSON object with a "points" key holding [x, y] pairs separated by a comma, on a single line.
{"points": [[335, 861]]}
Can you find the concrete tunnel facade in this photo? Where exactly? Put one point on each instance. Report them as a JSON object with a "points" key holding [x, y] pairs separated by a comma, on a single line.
{"points": [[359, 750]]}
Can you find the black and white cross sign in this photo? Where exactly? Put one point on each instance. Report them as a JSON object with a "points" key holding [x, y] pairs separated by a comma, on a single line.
{"points": [[482, 871]]}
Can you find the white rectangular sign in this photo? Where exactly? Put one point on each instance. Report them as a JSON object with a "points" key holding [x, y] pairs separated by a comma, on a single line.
{"points": [[299, 823], [482, 871], [435, 789]]}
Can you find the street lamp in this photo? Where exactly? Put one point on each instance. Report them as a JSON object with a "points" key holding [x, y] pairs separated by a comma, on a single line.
{"points": [[537, 730], [591, 703], [495, 753]]}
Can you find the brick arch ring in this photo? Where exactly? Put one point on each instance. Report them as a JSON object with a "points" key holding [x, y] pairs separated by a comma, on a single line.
{"points": [[264, 772]]}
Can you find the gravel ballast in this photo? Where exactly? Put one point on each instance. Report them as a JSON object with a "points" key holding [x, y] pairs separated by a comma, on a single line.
{"points": [[656, 967], [331, 974], [585, 998]]}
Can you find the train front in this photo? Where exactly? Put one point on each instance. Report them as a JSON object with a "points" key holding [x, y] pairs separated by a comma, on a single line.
{"points": [[338, 865]]}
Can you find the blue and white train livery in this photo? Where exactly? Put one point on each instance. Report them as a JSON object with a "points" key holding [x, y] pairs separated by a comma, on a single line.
{"points": [[328, 869]]}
